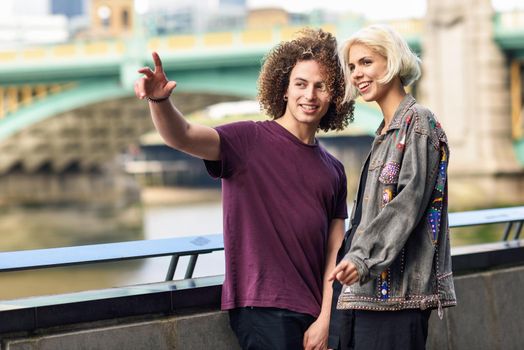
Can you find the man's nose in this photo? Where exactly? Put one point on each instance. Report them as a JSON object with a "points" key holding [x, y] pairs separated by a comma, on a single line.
{"points": [[310, 93]]}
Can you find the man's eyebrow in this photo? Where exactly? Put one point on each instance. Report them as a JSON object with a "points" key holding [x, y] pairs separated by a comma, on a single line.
{"points": [[305, 80]]}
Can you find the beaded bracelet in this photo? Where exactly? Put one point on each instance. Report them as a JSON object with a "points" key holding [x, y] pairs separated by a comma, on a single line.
{"points": [[158, 100]]}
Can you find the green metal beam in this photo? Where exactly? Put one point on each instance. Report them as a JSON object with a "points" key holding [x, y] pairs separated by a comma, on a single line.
{"points": [[240, 81], [84, 94], [509, 38], [518, 145]]}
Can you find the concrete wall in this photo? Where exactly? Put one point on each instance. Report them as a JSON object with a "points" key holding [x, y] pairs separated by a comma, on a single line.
{"points": [[488, 316], [206, 330]]}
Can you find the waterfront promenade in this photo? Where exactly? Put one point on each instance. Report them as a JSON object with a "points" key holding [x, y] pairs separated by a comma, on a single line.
{"points": [[60, 128], [184, 314]]}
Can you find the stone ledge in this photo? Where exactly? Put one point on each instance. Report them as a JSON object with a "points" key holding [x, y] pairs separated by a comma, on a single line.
{"points": [[31, 314]]}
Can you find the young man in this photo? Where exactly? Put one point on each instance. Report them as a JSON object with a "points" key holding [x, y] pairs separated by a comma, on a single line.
{"points": [[284, 196]]}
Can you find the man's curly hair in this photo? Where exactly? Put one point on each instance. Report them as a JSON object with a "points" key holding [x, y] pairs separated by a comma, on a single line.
{"points": [[273, 81]]}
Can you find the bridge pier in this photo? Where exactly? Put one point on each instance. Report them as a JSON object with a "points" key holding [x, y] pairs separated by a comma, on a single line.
{"points": [[466, 83]]}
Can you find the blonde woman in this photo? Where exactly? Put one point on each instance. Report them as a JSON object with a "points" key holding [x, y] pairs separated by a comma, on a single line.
{"points": [[398, 266]]}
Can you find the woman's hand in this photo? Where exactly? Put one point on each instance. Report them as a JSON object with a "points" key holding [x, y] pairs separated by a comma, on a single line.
{"points": [[345, 272]]}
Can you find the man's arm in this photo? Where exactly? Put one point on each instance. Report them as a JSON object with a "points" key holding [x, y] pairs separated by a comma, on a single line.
{"points": [[197, 140], [316, 336]]}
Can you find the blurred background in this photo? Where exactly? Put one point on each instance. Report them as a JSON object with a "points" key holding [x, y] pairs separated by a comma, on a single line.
{"points": [[80, 162]]}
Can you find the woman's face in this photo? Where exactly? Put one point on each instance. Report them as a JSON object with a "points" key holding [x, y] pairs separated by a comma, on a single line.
{"points": [[366, 68]]}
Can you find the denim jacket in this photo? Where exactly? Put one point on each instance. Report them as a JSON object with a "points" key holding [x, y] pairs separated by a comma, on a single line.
{"points": [[401, 247]]}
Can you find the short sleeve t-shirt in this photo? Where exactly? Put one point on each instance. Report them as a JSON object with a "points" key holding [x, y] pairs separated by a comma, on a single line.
{"points": [[279, 196]]}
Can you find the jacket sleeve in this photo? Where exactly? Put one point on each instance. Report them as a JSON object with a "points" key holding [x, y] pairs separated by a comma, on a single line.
{"points": [[380, 242]]}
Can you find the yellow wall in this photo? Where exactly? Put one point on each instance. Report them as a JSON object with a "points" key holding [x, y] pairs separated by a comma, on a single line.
{"points": [[116, 25], [266, 18]]}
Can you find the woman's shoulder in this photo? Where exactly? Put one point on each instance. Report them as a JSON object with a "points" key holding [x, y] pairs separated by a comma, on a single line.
{"points": [[421, 115], [426, 122]]}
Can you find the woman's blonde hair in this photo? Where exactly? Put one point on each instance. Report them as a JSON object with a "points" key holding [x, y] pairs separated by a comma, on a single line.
{"points": [[385, 41]]}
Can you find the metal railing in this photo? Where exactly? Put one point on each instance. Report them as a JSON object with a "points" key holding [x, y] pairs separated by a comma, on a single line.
{"points": [[51, 311], [191, 246], [509, 216], [195, 245]]}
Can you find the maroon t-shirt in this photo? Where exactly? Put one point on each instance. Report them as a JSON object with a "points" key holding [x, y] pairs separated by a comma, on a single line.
{"points": [[279, 196]]}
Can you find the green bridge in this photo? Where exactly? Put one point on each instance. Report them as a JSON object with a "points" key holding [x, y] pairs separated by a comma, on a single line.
{"points": [[71, 106]]}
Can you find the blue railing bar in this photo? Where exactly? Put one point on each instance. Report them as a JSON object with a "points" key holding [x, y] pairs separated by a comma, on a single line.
{"points": [[507, 231], [97, 253], [518, 230], [191, 266], [172, 267], [486, 216]]}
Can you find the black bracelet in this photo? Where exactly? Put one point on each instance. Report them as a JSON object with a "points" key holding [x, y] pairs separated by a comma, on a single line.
{"points": [[158, 100]]}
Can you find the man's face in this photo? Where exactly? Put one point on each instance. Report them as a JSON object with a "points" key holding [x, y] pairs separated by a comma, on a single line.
{"points": [[307, 94]]}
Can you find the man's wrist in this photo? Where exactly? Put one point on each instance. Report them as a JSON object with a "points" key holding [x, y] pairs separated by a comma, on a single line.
{"points": [[158, 100]]}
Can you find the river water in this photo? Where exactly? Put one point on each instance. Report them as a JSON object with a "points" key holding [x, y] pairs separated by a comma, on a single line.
{"points": [[158, 222], [29, 229]]}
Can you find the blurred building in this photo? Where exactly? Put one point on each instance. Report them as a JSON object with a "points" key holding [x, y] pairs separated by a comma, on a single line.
{"points": [[76, 12], [30, 8], [18, 31], [240, 3], [267, 17], [43, 22], [69, 8], [189, 17], [110, 18], [274, 16]]}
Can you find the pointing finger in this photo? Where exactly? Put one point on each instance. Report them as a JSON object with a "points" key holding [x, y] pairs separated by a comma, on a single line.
{"points": [[335, 272], [158, 62]]}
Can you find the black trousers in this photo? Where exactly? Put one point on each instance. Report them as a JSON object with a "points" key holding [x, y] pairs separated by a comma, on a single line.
{"points": [[261, 328], [384, 330]]}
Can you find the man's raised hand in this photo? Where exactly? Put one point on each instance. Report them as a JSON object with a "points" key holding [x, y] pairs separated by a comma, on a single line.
{"points": [[154, 84]]}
